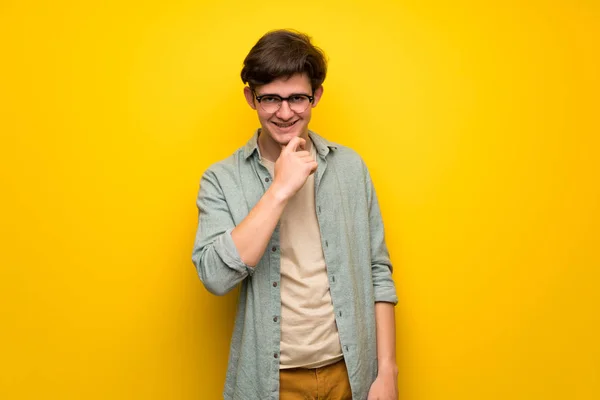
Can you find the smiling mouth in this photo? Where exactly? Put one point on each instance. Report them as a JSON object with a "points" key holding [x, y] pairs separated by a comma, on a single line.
{"points": [[284, 125]]}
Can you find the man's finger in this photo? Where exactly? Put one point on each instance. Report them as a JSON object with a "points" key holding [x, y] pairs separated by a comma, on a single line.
{"points": [[294, 144]]}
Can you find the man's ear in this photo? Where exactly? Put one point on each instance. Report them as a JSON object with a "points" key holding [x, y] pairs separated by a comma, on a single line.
{"points": [[317, 96], [249, 95]]}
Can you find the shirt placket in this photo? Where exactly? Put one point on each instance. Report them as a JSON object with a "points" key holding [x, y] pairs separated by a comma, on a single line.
{"points": [[273, 316], [323, 211]]}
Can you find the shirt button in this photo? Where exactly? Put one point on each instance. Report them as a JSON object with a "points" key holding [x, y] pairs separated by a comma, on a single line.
{"points": [[319, 209], [346, 348], [326, 243], [273, 249], [333, 278], [267, 179], [275, 319], [340, 313], [274, 284], [275, 355]]}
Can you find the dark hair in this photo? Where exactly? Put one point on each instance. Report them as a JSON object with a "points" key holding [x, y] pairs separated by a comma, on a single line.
{"points": [[283, 53]]}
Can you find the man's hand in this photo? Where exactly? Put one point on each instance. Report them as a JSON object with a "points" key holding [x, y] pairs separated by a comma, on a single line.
{"points": [[385, 387], [293, 168]]}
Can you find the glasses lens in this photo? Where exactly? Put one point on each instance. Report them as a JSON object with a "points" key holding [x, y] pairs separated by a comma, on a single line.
{"points": [[299, 103], [270, 103]]}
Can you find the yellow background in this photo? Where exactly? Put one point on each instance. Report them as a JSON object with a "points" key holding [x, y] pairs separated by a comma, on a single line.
{"points": [[480, 124]]}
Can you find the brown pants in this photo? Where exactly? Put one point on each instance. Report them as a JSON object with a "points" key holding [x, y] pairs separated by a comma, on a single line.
{"points": [[325, 383]]}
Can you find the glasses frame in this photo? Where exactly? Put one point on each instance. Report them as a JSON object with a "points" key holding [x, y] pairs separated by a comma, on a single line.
{"points": [[258, 98]]}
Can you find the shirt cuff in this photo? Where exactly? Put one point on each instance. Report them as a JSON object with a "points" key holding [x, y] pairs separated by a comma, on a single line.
{"points": [[225, 248], [386, 295]]}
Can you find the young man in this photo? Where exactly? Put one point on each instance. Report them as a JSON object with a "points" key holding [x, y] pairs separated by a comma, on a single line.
{"points": [[294, 221]]}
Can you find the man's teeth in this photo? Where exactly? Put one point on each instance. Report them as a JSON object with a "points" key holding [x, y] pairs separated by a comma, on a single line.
{"points": [[284, 125]]}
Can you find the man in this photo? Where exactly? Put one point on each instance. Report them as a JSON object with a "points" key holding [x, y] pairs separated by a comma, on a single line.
{"points": [[293, 220]]}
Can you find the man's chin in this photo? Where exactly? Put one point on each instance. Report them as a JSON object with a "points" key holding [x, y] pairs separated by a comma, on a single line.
{"points": [[284, 138]]}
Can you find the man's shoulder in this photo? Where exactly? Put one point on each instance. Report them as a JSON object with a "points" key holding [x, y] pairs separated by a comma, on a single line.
{"points": [[236, 162], [348, 153], [339, 152], [227, 169], [347, 158]]}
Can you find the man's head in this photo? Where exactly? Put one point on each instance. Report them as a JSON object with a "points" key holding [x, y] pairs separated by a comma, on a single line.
{"points": [[284, 65]]}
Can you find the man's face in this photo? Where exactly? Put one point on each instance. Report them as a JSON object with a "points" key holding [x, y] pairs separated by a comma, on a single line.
{"points": [[284, 124]]}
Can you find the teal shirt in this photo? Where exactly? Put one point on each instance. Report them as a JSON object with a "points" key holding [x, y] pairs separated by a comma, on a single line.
{"points": [[357, 259]]}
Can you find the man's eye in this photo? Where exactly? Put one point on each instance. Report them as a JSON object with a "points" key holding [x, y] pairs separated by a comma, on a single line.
{"points": [[297, 99], [270, 99]]}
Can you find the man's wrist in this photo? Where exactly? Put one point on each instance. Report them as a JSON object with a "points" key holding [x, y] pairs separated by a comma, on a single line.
{"points": [[387, 367], [278, 195]]}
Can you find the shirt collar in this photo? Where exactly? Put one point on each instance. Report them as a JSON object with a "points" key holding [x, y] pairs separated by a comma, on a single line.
{"points": [[322, 145]]}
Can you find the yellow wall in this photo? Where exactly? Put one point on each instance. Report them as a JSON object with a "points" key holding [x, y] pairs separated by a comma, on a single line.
{"points": [[480, 126]]}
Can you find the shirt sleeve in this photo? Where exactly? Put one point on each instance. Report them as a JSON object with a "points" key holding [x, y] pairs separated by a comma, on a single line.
{"points": [[381, 266], [215, 255]]}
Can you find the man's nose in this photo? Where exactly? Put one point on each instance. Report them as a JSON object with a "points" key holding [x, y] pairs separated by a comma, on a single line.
{"points": [[285, 112]]}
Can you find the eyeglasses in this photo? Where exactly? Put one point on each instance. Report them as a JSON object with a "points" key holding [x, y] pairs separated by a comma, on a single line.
{"points": [[271, 103]]}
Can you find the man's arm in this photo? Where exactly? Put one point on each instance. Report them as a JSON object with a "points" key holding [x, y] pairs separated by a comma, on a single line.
{"points": [[385, 386], [381, 267], [252, 235], [386, 338], [225, 254], [292, 169]]}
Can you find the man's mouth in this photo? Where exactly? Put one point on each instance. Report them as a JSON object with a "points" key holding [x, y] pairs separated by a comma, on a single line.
{"points": [[284, 124]]}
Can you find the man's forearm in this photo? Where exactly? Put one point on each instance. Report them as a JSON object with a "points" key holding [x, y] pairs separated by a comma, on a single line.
{"points": [[386, 338], [252, 235]]}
